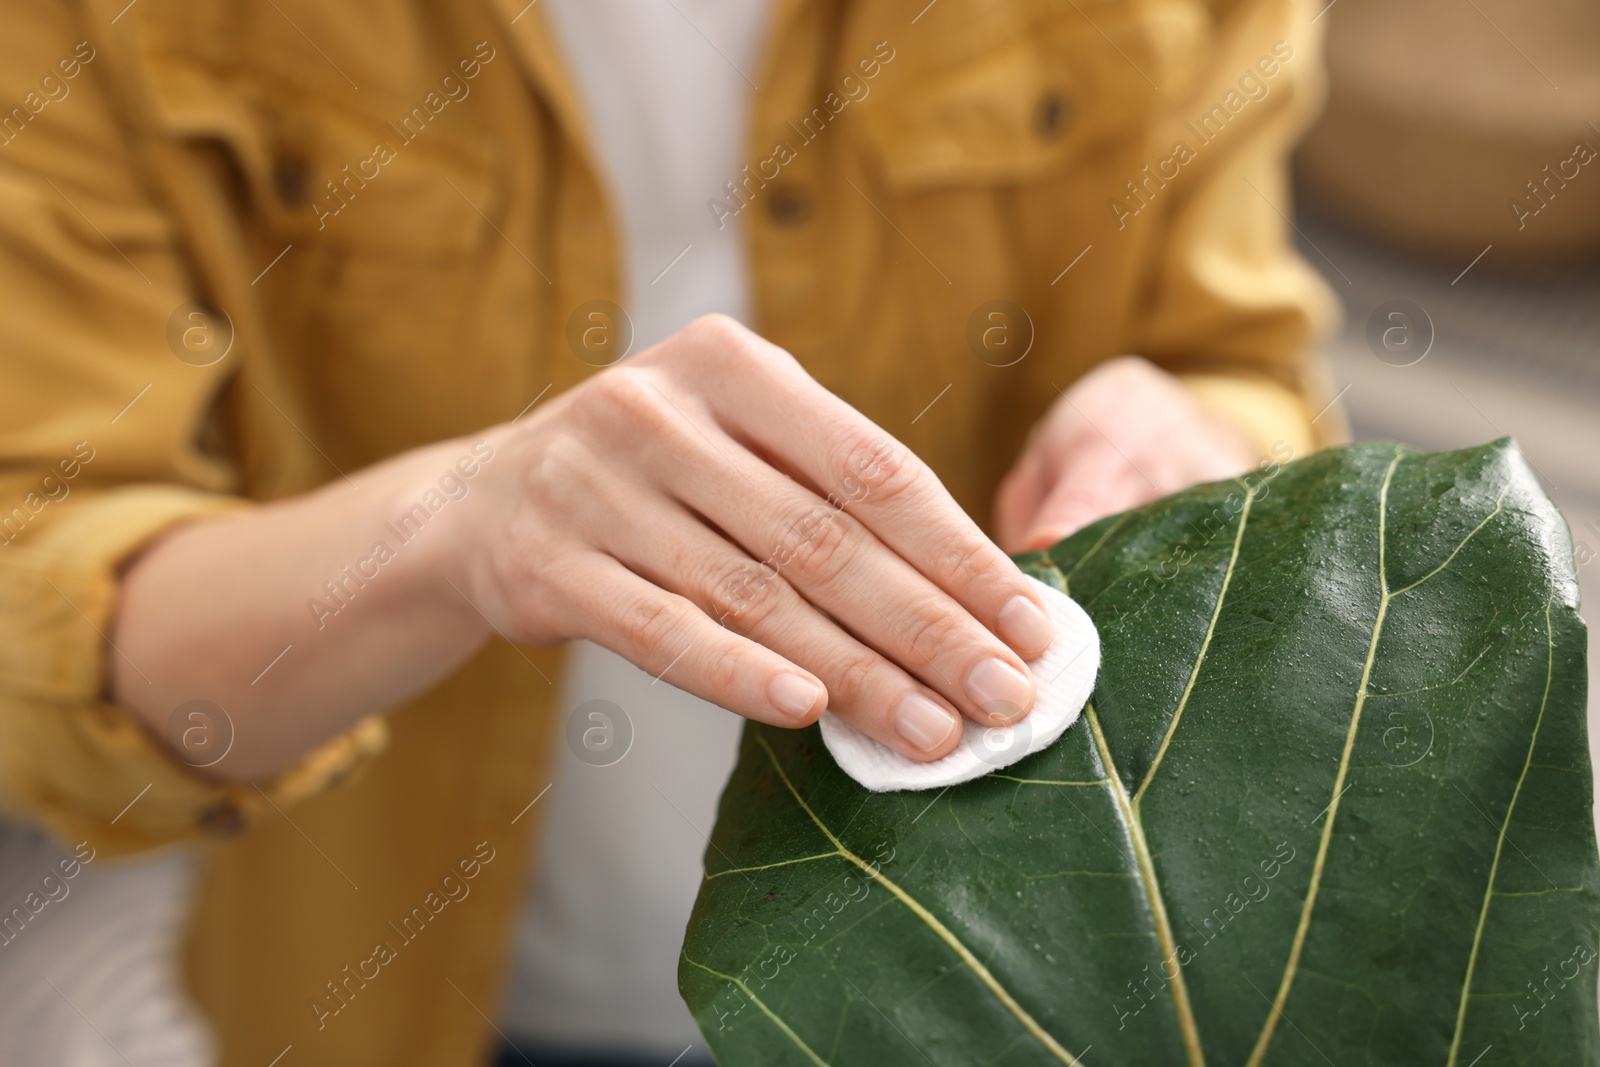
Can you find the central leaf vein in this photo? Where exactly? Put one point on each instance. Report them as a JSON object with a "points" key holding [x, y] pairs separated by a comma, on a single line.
{"points": [[1386, 596], [1332, 811]]}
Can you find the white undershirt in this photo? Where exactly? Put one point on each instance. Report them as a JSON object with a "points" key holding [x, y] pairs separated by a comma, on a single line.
{"points": [[621, 857]]}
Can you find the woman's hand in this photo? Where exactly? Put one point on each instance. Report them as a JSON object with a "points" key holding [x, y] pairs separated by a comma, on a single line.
{"points": [[710, 512], [706, 509], [1124, 434]]}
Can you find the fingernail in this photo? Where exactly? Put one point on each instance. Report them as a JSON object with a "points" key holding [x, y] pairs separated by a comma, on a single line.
{"points": [[793, 694], [1024, 625], [922, 722], [999, 689]]}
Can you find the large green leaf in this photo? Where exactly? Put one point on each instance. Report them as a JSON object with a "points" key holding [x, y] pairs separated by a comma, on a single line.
{"points": [[1330, 804]]}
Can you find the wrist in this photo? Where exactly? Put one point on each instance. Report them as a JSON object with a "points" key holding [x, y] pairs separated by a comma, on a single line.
{"points": [[430, 522]]}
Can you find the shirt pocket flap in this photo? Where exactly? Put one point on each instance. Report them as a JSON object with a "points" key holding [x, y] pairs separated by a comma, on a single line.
{"points": [[314, 169], [1053, 89]]}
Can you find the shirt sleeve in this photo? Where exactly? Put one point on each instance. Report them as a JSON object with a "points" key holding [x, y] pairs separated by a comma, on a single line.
{"points": [[1230, 306], [112, 430]]}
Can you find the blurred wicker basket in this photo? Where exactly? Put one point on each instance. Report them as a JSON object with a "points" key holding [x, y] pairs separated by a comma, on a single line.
{"points": [[1456, 124]]}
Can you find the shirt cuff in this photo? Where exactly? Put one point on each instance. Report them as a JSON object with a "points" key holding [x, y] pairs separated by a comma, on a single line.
{"points": [[1270, 415], [86, 768]]}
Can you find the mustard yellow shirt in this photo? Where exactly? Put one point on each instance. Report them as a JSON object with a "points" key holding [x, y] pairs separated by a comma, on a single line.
{"points": [[387, 215]]}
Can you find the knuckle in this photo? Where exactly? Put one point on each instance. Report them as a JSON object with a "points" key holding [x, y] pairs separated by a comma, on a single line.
{"points": [[634, 408], [821, 558], [723, 344], [744, 595], [718, 334], [649, 624], [725, 667], [630, 396], [562, 464], [558, 457], [931, 630], [874, 466], [851, 681], [966, 564], [797, 534]]}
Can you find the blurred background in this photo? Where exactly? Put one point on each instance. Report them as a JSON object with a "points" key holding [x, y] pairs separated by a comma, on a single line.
{"points": [[1450, 194], [1451, 197]]}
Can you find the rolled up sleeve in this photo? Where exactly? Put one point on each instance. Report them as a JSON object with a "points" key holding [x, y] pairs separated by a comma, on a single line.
{"points": [[1232, 308], [107, 439]]}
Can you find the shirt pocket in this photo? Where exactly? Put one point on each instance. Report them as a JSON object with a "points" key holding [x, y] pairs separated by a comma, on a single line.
{"points": [[308, 165], [1018, 92], [372, 239]]}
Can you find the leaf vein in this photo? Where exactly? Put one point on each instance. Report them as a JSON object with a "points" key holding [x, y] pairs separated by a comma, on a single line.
{"points": [[1500, 841], [1066, 577], [769, 866], [1205, 645], [1499, 506], [1387, 595], [1152, 888], [1332, 810], [768, 1012], [1046, 781], [932, 922]]}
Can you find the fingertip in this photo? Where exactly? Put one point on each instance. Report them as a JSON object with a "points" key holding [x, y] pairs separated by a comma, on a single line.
{"points": [[1024, 624], [1041, 538], [798, 699], [928, 729]]}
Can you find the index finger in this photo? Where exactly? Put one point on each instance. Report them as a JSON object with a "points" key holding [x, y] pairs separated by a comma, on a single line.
{"points": [[858, 466]]}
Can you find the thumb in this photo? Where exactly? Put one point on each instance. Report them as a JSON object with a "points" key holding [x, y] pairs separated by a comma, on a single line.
{"points": [[1017, 501], [1088, 489]]}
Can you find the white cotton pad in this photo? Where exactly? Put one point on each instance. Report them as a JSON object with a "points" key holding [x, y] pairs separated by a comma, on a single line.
{"points": [[1063, 677]]}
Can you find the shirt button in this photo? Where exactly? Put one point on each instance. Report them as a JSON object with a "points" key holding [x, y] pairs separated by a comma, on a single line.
{"points": [[788, 206], [291, 179], [1053, 114], [222, 819]]}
